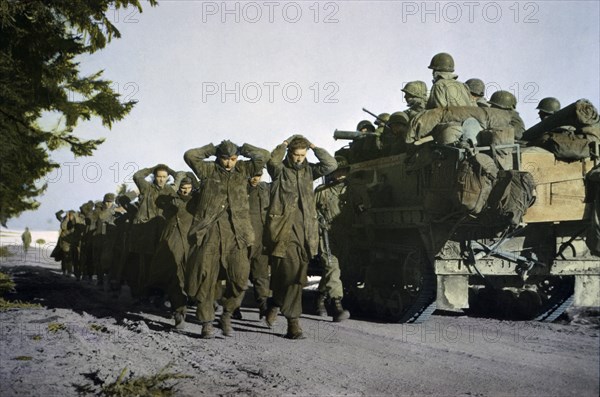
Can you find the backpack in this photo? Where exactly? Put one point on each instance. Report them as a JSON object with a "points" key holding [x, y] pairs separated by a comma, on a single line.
{"points": [[566, 145], [513, 193], [475, 178]]}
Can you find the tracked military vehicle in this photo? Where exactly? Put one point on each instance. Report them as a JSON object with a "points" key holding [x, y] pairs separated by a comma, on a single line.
{"points": [[408, 248]]}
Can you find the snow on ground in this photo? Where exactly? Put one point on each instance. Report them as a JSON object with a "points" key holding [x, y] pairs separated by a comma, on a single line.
{"points": [[81, 337]]}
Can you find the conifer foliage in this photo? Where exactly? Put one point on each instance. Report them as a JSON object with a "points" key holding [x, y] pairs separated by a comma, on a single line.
{"points": [[40, 42]]}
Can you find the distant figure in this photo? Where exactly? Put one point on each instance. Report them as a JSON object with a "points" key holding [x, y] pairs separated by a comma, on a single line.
{"points": [[26, 238]]}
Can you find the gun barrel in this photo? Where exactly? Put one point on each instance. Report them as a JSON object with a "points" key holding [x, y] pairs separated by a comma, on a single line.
{"points": [[350, 135]]}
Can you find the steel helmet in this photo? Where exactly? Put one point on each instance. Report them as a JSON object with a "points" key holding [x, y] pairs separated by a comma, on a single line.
{"points": [[503, 100], [442, 62], [398, 117], [383, 116], [416, 88], [365, 124], [476, 87], [549, 105]]}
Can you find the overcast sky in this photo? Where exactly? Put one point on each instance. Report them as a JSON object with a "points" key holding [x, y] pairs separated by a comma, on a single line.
{"points": [[258, 72]]}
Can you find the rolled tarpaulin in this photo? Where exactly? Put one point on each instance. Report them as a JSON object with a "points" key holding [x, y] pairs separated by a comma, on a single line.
{"points": [[579, 114]]}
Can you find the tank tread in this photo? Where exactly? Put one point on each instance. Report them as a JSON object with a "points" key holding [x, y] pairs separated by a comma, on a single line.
{"points": [[557, 304], [424, 305]]}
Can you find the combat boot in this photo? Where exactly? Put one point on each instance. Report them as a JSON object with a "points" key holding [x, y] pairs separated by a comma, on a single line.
{"points": [[262, 309], [226, 324], [339, 313], [208, 331], [271, 316], [237, 314], [321, 309], [179, 320], [294, 331]]}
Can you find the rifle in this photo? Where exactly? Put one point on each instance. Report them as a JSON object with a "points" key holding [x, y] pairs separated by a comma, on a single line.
{"points": [[376, 116]]}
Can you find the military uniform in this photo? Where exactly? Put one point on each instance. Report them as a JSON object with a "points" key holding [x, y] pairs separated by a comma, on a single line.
{"points": [[86, 259], [104, 240], [259, 199], [293, 226], [221, 230], [168, 264], [69, 240], [147, 227], [328, 206], [447, 91]]}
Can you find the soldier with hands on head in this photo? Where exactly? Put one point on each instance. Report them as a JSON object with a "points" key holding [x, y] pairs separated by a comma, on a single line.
{"points": [[168, 264], [221, 232], [148, 223], [293, 226]]}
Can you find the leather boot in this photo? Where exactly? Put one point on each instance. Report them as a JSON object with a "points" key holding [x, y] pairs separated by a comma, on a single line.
{"points": [[339, 314], [262, 309], [179, 320], [271, 316], [293, 330], [321, 309], [237, 314], [208, 331], [226, 324]]}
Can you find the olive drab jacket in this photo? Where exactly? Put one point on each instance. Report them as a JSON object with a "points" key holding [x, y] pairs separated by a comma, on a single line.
{"points": [[291, 190], [224, 190], [149, 193], [259, 198], [447, 91]]}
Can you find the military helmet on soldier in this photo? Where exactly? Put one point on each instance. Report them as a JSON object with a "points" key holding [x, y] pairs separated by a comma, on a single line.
{"points": [[442, 62], [416, 88], [109, 198], [383, 116], [341, 162], [503, 100], [476, 87], [549, 105], [398, 118], [365, 124]]}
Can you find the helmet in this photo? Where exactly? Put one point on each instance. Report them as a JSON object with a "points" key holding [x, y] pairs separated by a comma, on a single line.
{"points": [[416, 88], [383, 116], [442, 62], [398, 117], [109, 197], [365, 124], [342, 162], [549, 105], [503, 100], [476, 87]]}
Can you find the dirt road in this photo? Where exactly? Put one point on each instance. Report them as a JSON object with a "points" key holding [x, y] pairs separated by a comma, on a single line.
{"points": [[81, 338]]}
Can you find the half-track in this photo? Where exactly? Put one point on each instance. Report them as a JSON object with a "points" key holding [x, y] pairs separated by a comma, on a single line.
{"points": [[405, 251]]}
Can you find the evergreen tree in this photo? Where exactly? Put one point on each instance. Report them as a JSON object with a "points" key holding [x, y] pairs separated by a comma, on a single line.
{"points": [[39, 41]]}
